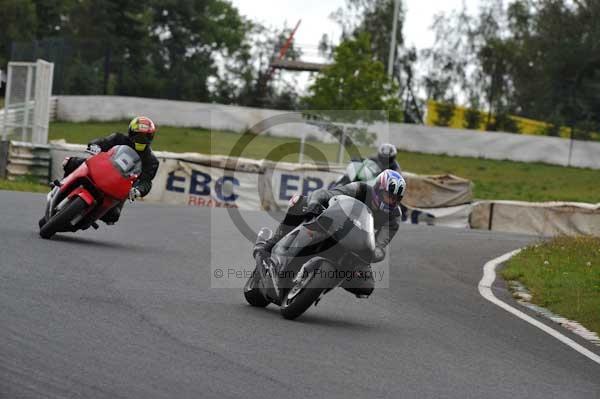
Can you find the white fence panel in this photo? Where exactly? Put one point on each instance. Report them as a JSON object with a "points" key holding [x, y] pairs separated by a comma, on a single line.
{"points": [[27, 106], [44, 72]]}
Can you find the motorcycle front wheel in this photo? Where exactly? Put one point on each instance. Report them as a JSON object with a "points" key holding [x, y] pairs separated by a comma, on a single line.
{"points": [[62, 218], [306, 291]]}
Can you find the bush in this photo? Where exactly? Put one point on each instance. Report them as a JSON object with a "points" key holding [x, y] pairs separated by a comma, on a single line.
{"points": [[445, 113], [473, 119], [505, 123], [585, 130], [83, 79]]}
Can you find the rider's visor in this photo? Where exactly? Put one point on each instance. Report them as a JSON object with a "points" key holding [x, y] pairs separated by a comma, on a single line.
{"points": [[143, 138], [389, 199]]}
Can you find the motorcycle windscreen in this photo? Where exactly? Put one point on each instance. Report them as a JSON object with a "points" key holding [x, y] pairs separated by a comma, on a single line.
{"points": [[369, 171], [126, 160], [352, 170], [350, 223], [366, 170]]}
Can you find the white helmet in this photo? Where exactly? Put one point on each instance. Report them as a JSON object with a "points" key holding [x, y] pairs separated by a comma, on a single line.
{"points": [[388, 190], [387, 152]]}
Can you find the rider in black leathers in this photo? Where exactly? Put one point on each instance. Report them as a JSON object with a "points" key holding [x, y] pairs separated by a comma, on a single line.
{"points": [[383, 198], [140, 135]]}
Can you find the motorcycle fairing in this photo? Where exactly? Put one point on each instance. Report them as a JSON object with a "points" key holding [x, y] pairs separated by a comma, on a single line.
{"points": [[84, 195], [102, 181], [107, 177], [344, 232]]}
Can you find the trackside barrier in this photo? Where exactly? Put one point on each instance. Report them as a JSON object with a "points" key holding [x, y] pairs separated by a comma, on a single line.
{"points": [[437, 191], [53, 108], [10, 117], [13, 115], [21, 159], [543, 219], [3, 158], [208, 181]]}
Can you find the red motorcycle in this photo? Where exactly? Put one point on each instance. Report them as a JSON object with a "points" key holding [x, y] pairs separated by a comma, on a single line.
{"points": [[101, 183]]}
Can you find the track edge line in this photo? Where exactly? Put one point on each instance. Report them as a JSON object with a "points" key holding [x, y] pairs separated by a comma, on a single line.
{"points": [[485, 289]]}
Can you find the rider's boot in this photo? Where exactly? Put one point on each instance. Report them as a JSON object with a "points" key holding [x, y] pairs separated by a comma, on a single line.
{"points": [[112, 216], [265, 247], [362, 283], [293, 217]]}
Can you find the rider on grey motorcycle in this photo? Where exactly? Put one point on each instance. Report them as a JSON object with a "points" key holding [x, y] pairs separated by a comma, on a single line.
{"points": [[367, 169], [383, 198]]}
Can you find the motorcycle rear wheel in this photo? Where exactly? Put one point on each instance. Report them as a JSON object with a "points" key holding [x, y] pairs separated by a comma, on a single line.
{"points": [[58, 222]]}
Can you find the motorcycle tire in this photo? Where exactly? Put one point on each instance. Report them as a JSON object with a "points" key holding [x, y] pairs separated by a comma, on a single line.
{"points": [[291, 309], [57, 222]]}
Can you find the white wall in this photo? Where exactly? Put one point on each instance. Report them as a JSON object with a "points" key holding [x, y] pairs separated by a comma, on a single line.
{"points": [[491, 145], [431, 140], [184, 114]]}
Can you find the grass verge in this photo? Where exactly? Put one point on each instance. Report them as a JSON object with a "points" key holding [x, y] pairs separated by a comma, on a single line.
{"points": [[493, 179], [563, 275], [507, 180], [24, 184]]}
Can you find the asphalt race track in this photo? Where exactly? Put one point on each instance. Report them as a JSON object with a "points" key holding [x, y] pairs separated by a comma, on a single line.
{"points": [[128, 312]]}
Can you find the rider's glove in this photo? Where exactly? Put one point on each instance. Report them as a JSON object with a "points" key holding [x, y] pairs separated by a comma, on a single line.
{"points": [[378, 254], [94, 149], [314, 210], [259, 252], [133, 194]]}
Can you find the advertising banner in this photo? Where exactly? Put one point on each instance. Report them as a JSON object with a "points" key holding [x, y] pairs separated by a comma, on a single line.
{"points": [[185, 183]]}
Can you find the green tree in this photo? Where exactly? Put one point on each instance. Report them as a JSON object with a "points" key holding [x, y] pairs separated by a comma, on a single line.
{"points": [[18, 23], [189, 35], [113, 37], [470, 57], [445, 113], [537, 59], [561, 52], [375, 17], [82, 78], [170, 48], [246, 78], [473, 116], [52, 17], [355, 81]]}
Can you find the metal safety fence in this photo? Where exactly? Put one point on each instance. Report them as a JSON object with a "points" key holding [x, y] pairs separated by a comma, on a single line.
{"points": [[26, 114]]}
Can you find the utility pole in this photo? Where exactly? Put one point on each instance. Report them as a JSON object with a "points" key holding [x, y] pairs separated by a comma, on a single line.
{"points": [[391, 58]]}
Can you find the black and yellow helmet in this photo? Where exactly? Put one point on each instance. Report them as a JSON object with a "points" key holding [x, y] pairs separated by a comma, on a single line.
{"points": [[141, 131]]}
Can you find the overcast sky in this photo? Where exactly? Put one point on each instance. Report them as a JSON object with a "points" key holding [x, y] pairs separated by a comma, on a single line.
{"points": [[315, 17]]}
